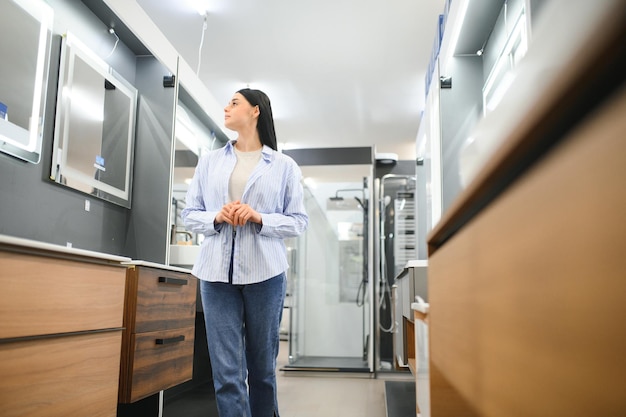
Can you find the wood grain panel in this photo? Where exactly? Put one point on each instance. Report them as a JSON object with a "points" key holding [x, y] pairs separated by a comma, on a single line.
{"points": [[41, 295], [526, 300], [61, 376], [157, 310], [408, 327], [156, 367], [162, 306], [445, 399]]}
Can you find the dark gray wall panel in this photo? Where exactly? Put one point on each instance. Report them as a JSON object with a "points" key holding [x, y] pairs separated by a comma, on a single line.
{"points": [[147, 237], [461, 108], [332, 156], [33, 207]]}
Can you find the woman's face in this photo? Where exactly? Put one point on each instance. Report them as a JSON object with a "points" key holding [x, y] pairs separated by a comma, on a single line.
{"points": [[239, 113]]}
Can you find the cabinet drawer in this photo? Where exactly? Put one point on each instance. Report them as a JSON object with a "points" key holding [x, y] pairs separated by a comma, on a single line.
{"points": [[159, 360], [164, 300], [61, 376], [526, 299], [48, 296]]}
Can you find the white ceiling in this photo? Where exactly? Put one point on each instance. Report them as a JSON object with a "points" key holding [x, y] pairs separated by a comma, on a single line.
{"points": [[338, 72]]}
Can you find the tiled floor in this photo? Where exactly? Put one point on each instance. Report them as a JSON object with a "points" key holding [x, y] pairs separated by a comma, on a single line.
{"points": [[328, 396], [306, 395], [331, 397]]}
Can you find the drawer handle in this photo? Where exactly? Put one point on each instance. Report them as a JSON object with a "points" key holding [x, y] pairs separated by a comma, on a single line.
{"points": [[176, 339], [173, 281]]}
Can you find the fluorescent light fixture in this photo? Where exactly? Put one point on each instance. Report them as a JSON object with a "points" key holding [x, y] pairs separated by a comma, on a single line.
{"points": [[498, 92], [501, 77]]}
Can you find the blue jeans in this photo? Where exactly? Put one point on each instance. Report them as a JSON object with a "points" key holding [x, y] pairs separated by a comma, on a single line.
{"points": [[242, 327]]}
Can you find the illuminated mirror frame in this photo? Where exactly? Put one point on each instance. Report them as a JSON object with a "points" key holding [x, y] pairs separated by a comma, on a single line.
{"points": [[70, 105], [24, 142], [501, 77]]}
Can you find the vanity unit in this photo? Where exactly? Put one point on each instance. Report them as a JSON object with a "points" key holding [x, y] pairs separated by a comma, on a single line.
{"points": [[159, 321], [80, 330], [411, 282], [61, 318], [411, 336], [420, 367]]}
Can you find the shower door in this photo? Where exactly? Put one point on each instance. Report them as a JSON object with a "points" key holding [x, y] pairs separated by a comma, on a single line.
{"points": [[330, 311]]}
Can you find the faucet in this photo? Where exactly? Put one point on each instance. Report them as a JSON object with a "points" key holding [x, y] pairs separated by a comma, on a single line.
{"points": [[175, 232]]}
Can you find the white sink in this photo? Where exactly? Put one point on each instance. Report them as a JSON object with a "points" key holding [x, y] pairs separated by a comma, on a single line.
{"points": [[184, 255]]}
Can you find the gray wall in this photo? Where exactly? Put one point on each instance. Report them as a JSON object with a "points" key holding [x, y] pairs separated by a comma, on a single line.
{"points": [[423, 213], [34, 207], [461, 108], [148, 231]]}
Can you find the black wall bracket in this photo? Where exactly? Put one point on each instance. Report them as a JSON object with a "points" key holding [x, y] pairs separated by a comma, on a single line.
{"points": [[169, 80], [445, 82]]}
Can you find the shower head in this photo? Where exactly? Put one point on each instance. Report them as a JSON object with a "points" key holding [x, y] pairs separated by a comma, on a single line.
{"points": [[337, 202], [339, 198]]}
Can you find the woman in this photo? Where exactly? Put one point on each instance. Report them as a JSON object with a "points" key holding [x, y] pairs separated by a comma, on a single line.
{"points": [[245, 199]]}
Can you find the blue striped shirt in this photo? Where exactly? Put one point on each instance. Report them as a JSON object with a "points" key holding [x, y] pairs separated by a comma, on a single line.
{"points": [[273, 189]]}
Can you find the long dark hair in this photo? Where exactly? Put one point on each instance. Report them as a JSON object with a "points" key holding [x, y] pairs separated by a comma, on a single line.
{"points": [[265, 123]]}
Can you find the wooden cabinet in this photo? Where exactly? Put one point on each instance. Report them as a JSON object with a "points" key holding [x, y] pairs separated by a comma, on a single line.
{"points": [[43, 296], [159, 323], [420, 364], [411, 283], [527, 270], [411, 286], [60, 332], [60, 376], [524, 299]]}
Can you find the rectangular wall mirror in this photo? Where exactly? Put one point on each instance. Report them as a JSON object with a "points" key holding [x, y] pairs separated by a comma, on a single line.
{"points": [[95, 126], [25, 30]]}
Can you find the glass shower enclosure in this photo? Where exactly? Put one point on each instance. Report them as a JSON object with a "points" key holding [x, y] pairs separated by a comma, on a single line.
{"points": [[329, 287]]}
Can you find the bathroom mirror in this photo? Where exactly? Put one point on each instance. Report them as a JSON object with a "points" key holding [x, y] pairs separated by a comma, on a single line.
{"points": [[95, 126], [25, 33], [193, 138]]}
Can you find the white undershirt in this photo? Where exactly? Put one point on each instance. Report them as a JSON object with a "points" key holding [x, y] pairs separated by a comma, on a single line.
{"points": [[246, 161]]}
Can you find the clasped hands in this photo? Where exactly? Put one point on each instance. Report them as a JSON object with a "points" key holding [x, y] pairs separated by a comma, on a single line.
{"points": [[237, 213]]}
